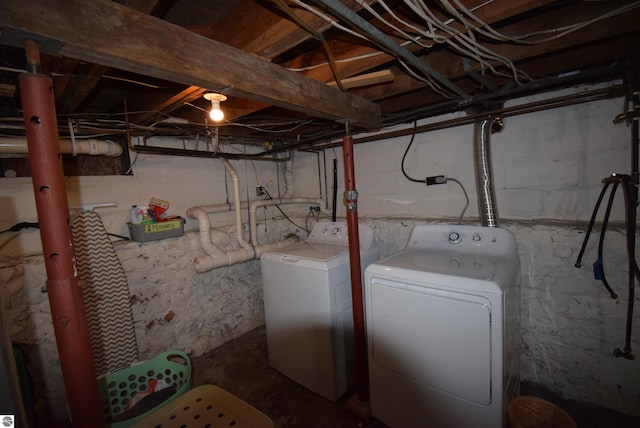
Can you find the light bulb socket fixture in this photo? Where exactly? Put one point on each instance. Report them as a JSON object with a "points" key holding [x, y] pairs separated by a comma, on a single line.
{"points": [[216, 113], [212, 96]]}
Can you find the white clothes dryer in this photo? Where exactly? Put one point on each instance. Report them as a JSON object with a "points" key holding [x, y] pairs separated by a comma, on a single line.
{"points": [[308, 310], [443, 334]]}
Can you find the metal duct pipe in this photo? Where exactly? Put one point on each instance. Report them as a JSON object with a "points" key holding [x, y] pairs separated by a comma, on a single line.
{"points": [[484, 174]]}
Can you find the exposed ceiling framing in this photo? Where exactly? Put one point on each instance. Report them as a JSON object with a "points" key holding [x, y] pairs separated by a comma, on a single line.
{"points": [[293, 77]]}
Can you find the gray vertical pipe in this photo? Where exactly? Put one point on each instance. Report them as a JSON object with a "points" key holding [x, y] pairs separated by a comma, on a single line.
{"points": [[484, 174]]}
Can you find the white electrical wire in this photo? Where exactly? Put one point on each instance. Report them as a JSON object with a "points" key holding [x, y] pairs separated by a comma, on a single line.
{"points": [[557, 32], [426, 79], [464, 42], [329, 19], [344, 60], [415, 39]]}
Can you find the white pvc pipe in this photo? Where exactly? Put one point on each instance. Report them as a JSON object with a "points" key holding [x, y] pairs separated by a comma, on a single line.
{"points": [[238, 208], [18, 146], [288, 178], [204, 225], [213, 208], [215, 257], [210, 262]]}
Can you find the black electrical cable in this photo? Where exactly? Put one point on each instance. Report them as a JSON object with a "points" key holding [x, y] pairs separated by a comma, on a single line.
{"points": [[436, 179], [19, 226], [335, 190], [282, 212], [605, 223], [591, 223], [413, 136], [634, 272], [630, 200]]}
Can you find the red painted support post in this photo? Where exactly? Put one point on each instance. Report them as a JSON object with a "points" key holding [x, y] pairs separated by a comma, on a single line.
{"points": [[351, 201], [65, 297]]}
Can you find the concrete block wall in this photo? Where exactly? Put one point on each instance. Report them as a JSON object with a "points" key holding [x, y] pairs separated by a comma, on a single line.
{"points": [[548, 168]]}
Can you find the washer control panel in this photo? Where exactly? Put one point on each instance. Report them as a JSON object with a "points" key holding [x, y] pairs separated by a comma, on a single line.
{"points": [[330, 232], [462, 238], [476, 238]]}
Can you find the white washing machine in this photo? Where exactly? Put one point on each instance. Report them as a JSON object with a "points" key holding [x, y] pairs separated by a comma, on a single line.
{"points": [[308, 311], [443, 329]]}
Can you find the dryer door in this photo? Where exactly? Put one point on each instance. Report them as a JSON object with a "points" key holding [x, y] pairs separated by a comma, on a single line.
{"points": [[440, 339]]}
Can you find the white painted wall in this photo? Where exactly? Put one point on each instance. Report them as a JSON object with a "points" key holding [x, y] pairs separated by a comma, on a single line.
{"points": [[548, 168]]}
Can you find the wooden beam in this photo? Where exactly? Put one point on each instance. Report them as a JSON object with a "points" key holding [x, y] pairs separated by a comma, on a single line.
{"points": [[144, 6], [375, 78], [254, 28], [78, 87], [7, 91], [164, 104], [110, 34]]}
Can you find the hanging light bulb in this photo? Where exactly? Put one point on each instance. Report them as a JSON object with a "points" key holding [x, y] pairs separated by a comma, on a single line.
{"points": [[216, 113]]}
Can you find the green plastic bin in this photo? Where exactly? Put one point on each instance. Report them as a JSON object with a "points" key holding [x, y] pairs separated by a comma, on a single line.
{"points": [[118, 388]]}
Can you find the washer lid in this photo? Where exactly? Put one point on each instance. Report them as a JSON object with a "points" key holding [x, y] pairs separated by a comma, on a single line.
{"points": [[313, 251]]}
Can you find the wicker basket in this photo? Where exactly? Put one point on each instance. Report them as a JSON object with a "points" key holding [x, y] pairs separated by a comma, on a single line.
{"points": [[154, 231], [534, 412]]}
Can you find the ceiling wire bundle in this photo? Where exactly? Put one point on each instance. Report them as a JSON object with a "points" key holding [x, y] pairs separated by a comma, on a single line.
{"points": [[431, 31], [436, 179]]}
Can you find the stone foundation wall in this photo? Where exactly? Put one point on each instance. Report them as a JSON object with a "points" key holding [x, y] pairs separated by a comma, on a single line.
{"points": [[570, 325]]}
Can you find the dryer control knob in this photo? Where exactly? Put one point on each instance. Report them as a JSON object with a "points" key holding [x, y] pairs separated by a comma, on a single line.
{"points": [[477, 238], [454, 238], [336, 231]]}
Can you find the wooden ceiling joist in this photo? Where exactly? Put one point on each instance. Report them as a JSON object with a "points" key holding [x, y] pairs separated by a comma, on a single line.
{"points": [[110, 34]]}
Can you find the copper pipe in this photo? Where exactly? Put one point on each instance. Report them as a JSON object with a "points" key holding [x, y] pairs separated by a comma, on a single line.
{"points": [[65, 297], [351, 201]]}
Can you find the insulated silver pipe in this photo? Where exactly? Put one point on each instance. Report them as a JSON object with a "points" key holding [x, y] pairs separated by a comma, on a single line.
{"points": [[484, 174]]}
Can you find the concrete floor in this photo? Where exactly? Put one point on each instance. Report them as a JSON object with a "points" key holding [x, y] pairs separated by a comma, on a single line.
{"points": [[241, 367]]}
